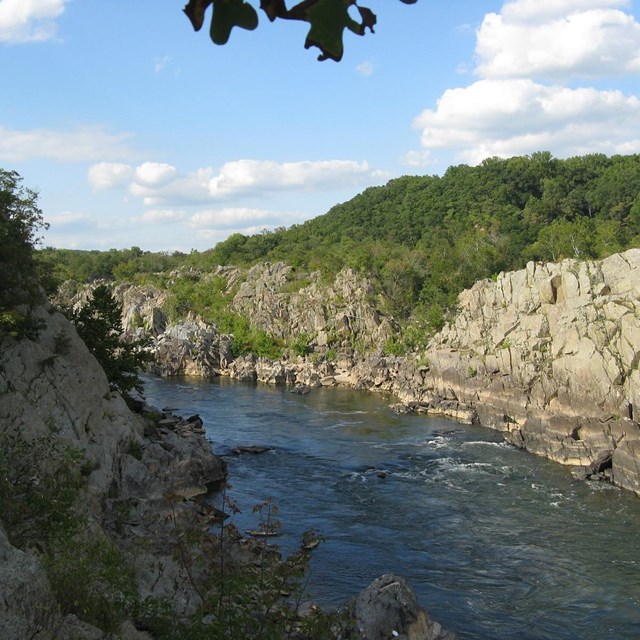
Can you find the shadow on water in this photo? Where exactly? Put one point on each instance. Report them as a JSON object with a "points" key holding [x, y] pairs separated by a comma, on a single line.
{"points": [[498, 544]]}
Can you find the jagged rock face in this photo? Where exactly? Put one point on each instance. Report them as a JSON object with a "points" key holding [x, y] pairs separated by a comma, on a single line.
{"points": [[342, 314], [27, 605], [577, 323], [549, 355], [142, 308], [344, 311], [55, 382], [192, 348], [302, 374]]}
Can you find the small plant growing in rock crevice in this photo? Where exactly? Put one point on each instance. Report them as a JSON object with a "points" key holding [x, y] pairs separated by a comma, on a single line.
{"points": [[92, 580], [134, 448]]}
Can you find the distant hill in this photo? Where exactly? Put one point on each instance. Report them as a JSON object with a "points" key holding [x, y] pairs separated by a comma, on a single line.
{"points": [[422, 239]]}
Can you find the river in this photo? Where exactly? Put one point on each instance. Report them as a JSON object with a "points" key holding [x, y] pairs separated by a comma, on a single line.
{"points": [[497, 543]]}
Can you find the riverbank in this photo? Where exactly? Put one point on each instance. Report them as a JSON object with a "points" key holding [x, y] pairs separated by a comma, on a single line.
{"points": [[491, 538], [547, 355], [106, 527]]}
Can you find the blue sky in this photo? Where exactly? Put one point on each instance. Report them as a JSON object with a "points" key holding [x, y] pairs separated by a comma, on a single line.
{"points": [[135, 130]]}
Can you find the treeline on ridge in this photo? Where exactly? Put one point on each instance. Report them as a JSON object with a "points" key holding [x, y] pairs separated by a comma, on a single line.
{"points": [[422, 239]]}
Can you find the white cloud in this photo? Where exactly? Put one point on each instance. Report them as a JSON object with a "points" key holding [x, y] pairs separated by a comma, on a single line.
{"points": [[526, 56], [418, 159], [29, 20], [512, 117], [160, 64], [155, 174], [108, 175], [79, 145], [558, 38], [162, 215], [365, 68], [233, 216], [159, 184], [66, 218], [266, 175]]}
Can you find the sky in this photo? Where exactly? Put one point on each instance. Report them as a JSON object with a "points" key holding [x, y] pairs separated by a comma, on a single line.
{"points": [[137, 131]]}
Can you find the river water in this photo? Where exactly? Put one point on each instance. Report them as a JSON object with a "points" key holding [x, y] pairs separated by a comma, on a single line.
{"points": [[497, 543]]}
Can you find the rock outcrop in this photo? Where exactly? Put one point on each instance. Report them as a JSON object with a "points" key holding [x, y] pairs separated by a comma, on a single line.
{"points": [[388, 608], [342, 312], [191, 348], [52, 387], [547, 355]]}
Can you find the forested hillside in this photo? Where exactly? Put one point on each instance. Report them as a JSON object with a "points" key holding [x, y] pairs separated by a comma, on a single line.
{"points": [[425, 238]]}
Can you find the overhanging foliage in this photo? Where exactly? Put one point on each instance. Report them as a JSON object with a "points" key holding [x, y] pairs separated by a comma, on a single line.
{"points": [[327, 20]]}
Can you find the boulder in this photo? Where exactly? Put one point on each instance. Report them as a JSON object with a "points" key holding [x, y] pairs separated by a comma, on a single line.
{"points": [[388, 608]]}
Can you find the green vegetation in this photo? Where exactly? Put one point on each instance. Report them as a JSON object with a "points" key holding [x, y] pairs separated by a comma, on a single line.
{"points": [[20, 222], [208, 298], [327, 20], [255, 596], [252, 597], [39, 483], [424, 239], [421, 239], [91, 579], [99, 324]]}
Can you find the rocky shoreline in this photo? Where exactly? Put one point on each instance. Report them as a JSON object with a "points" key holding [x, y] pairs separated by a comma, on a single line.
{"points": [[146, 474]]}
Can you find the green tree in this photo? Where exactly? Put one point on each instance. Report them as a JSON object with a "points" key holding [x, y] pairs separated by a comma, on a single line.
{"points": [[99, 324], [20, 222]]}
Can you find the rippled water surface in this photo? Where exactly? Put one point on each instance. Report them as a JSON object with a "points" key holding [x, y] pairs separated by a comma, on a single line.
{"points": [[498, 544]]}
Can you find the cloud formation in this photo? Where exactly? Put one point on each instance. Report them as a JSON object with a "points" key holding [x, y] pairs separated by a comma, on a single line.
{"points": [[108, 175], [162, 215], [230, 217], [513, 117], [79, 145], [527, 55], [66, 218], [159, 184], [266, 175], [559, 39], [29, 20]]}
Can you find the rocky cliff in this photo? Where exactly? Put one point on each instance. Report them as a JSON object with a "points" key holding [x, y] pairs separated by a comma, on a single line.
{"points": [[548, 354], [344, 312], [55, 400]]}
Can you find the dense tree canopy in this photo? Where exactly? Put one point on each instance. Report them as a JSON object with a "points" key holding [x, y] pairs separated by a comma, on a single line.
{"points": [[438, 235], [20, 222], [327, 20]]}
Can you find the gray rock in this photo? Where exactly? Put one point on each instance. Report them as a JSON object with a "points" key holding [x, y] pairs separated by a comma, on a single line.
{"points": [[388, 608], [27, 606]]}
